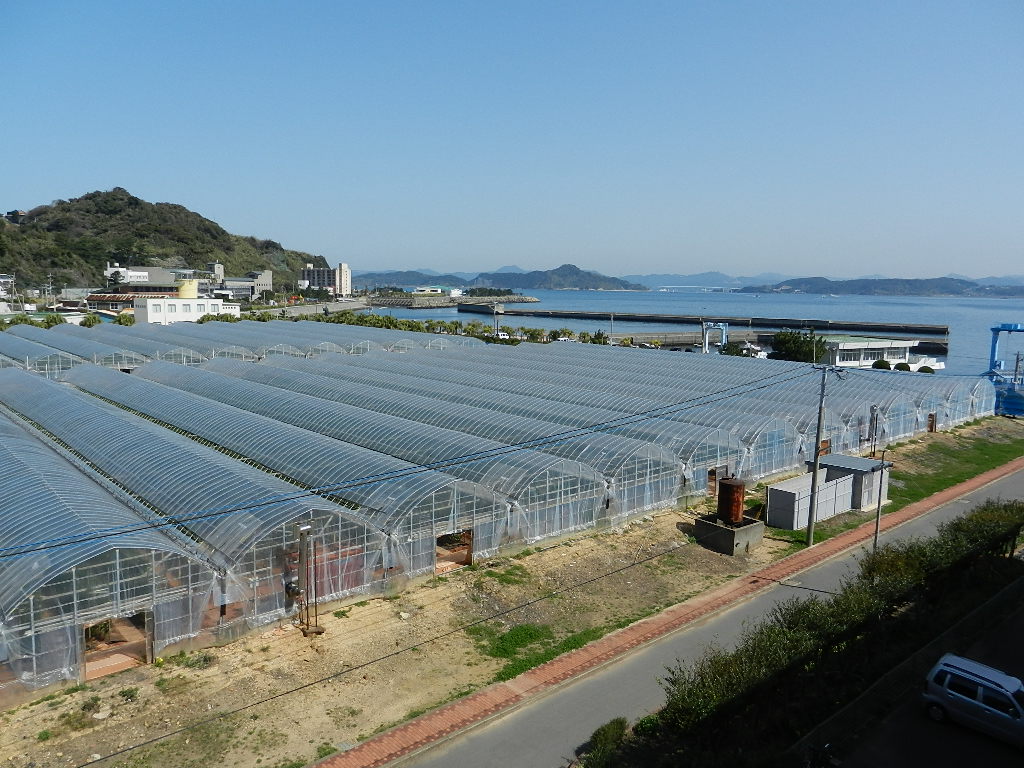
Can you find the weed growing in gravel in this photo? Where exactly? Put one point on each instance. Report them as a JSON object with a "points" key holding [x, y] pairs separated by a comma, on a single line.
{"points": [[513, 574]]}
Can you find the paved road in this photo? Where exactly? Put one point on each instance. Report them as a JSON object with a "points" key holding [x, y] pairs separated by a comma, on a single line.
{"points": [[547, 732], [907, 737]]}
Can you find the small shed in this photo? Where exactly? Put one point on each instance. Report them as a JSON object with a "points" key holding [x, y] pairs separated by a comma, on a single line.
{"points": [[866, 481], [789, 502]]}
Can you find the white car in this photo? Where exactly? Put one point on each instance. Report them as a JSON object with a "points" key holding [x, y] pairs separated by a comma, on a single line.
{"points": [[977, 696]]}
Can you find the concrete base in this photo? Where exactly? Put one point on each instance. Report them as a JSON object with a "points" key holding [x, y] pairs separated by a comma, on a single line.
{"points": [[729, 539]]}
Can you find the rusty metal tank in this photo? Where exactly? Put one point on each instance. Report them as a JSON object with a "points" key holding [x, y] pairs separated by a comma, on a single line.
{"points": [[731, 493]]}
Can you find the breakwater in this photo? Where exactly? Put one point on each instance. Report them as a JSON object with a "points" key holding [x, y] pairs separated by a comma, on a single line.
{"points": [[435, 301], [907, 330]]}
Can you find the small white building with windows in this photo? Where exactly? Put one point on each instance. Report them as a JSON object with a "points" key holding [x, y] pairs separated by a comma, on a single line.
{"points": [[187, 307], [164, 311], [864, 351]]}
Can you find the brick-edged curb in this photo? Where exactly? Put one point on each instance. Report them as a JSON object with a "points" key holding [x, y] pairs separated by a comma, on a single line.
{"points": [[414, 736]]}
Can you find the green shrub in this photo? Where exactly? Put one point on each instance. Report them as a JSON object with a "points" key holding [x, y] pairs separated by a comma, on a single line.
{"points": [[901, 367], [604, 742], [92, 704], [324, 750], [197, 660], [882, 365], [810, 657], [44, 735], [129, 694]]}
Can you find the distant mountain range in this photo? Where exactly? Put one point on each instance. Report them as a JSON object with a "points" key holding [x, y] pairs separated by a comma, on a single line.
{"points": [[567, 276], [70, 241], [703, 279], [936, 286]]}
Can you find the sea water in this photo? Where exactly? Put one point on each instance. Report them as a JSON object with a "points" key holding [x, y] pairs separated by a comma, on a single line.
{"points": [[969, 319]]}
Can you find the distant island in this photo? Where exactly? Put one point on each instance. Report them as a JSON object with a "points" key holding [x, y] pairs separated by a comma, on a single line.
{"points": [[935, 286], [565, 277]]}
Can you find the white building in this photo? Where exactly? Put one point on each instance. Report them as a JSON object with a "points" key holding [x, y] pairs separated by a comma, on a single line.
{"points": [[187, 307], [164, 311], [337, 281], [864, 351], [126, 274]]}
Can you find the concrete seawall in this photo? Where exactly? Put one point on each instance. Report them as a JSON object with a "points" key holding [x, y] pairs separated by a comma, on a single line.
{"points": [[767, 323]]}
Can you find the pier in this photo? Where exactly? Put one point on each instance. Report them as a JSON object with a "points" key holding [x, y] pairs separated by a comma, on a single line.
{"points": [[866, 327]]}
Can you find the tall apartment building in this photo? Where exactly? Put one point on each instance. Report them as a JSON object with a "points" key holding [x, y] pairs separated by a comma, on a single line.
{"points": [[338, 280]]}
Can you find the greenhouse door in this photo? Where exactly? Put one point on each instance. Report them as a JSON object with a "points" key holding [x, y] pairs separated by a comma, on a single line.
{"points": [[714, 475], [112, 645], [453, 550]]}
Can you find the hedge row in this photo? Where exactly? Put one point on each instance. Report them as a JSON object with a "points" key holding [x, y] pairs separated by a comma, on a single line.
{"points": [[810, 657]]}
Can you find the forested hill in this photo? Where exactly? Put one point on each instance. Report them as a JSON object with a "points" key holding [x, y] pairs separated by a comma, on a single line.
{"points": [[935, 286], [73, 239]]}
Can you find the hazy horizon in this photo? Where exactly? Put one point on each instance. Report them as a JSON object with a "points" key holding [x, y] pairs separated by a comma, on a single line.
{"points": [[661, 137]]}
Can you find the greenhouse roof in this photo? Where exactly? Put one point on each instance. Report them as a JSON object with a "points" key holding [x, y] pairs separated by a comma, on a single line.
{"points": [[604, 452], [220, 500], [54, 516], [316, 456], [87, 349]]}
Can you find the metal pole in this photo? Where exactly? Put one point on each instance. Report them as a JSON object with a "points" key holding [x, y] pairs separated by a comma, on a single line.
{"points": [[812, 512], [878, 508]]}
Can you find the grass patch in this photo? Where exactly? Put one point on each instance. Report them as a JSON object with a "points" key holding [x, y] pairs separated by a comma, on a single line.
{"points": [[197, 660], [948, 465], [169, 685], [525, 663], [343, 613], [76, 721], [513, 574], [129, 694], [324, 750]]}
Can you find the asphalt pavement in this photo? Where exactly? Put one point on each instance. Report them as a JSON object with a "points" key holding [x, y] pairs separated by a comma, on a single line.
{"points": [[546, 732]]}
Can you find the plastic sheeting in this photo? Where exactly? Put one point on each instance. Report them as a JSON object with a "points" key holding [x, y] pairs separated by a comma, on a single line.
{"points": [[71, 554]]}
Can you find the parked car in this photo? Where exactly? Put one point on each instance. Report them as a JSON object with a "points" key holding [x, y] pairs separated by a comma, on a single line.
{"points": [[977, 696]]}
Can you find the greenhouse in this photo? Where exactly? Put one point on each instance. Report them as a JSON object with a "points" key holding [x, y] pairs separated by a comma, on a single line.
{"points": [[112, 575], [177, 337], [123, 338], [770, 444], [639, 475], [528, 495], [700, 449], [382, 529], [258, 343], [205, 493], [85, 348], [35, 357]]}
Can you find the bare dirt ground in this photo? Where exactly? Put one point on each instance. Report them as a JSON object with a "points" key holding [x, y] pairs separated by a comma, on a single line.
{"points": [[383, 660]]}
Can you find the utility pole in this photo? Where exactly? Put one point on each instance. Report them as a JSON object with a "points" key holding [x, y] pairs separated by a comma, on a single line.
{"points": [[813, 511], [882, 466]]}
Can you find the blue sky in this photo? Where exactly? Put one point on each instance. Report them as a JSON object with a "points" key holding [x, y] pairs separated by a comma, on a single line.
{"points": [[803, 137]]}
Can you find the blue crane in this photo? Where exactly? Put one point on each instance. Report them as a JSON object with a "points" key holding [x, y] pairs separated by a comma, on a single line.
{"points": [[1009, 397]]}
